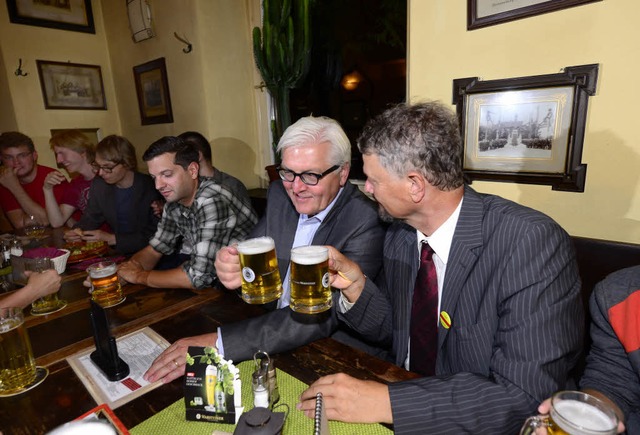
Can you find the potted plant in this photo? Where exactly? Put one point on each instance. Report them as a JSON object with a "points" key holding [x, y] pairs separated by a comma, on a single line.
{"points": [[282, 53]]}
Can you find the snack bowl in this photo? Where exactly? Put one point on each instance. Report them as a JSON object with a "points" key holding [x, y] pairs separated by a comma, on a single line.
{"points": [[60, 262]]}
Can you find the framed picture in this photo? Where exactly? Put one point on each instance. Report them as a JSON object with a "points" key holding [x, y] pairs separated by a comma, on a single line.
{"points": [[94, 134], [482, 13], [75, 15], [526, 129], [71, 85], [152, 87]]}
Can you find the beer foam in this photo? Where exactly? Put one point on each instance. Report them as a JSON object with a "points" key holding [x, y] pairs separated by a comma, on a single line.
{"points": [[101, 270], [9, 324], [586, 416], [308, 255], [258, 245]]}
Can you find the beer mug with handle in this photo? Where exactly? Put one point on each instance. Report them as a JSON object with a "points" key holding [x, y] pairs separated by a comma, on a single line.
{"points": [[573, 413], [260, 274]]}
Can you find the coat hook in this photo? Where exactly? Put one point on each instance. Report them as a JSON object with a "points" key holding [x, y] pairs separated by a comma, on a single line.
{"points": [[184, 40], [19, 70]]}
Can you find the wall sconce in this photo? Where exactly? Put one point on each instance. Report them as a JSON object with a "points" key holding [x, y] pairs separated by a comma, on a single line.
{"points": [[139, 20], [351, 80]]}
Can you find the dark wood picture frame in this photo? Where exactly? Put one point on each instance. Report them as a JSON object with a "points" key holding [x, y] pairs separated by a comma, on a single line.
{"points": [[68, 85], [152, 88], [475, 22], [78, 17], [545, 145]]}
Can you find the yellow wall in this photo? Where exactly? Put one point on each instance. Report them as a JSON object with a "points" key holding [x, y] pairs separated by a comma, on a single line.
{"points": [[212, 88], [441, 49]]}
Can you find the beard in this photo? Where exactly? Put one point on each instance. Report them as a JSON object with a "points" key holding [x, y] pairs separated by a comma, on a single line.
{"points": [[384, 215]]}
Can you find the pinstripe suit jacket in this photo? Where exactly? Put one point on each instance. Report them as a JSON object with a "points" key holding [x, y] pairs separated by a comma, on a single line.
{"points": [[512, 291]]}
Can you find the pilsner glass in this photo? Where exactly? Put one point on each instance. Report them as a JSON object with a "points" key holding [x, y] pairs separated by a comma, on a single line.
{"points": [[105, 285], [574, 413], [260, 275], [17, 365], [309, 279], [49, 303]]}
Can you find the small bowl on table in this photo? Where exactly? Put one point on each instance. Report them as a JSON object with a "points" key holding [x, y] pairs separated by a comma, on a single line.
{"points": [[60, 262]]}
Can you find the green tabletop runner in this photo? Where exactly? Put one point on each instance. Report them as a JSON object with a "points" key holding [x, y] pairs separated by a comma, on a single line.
{"points": [[172, 419]]}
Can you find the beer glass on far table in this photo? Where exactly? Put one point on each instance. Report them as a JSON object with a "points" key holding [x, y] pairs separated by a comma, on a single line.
{"points": [[105, 285], [32, 227], [309, 279], [574, 413], [49, 303], [260, 275], [17, 365]]}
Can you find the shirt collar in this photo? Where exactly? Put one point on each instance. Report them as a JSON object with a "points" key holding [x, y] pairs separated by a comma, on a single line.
{"points": [[440, 240]]}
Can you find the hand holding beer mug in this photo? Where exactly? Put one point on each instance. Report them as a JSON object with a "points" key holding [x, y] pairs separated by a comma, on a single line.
{"points": [[574, 413], [309, 276], [260, 275], [46, 304], [17, 365], [105, 285]]}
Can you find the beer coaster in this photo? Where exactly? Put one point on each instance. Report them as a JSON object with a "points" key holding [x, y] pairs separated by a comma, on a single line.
{"points": [[41, 375], [61, 305]]}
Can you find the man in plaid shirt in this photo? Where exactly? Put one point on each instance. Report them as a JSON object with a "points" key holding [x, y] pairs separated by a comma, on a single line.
{"points": [[198, 210]]}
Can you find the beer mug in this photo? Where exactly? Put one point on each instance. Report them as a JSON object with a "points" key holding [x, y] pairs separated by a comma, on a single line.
{"points": [[17, 365], [309, 279], [260, 275], [105, 285], [49, 303], [574, 413]]}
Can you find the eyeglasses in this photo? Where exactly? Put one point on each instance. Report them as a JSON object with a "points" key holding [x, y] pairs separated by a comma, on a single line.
{"points": [[106, 169], [308, 178], [22, 156]]}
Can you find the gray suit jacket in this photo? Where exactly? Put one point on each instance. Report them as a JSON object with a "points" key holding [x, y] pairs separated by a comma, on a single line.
{"points": [[352, 226], [102, 209], [512, 292]]}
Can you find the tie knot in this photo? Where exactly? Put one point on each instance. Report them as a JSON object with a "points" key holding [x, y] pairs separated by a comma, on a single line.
{"points": [[426, 251]]}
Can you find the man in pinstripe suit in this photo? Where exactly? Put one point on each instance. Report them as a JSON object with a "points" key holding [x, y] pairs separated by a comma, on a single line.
{"points": [[511, 319]]}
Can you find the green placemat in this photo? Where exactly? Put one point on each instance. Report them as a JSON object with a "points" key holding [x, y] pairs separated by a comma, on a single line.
{"points": [[172, 419]]}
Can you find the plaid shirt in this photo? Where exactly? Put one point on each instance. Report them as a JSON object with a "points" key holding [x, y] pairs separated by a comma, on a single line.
{"points": [[215, 219]]}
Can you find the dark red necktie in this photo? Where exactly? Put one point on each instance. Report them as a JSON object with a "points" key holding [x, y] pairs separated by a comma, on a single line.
{"points": [[424, 316]]}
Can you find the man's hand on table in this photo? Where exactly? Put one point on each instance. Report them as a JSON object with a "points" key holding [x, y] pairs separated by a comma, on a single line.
{"points": [[227, 266], [170, 364], [132, 272], [348, 399]]}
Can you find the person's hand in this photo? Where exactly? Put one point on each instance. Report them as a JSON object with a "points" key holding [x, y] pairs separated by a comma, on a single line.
{"points": [[169, 365], [99, 235], [43, 283], [345, 275], [8, 177], [53, 178], [157, 206], [348, 399], [227, 266], [74, 235], [132, 271]]}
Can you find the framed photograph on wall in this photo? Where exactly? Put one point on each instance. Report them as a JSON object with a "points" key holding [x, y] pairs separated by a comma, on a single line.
{"points": [[526, 129], [75, 15], [71, 85], [152, 87], [482, 13]]}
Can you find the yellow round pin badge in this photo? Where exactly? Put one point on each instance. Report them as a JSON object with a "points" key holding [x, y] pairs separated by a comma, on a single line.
{"points": [[445, 320]]}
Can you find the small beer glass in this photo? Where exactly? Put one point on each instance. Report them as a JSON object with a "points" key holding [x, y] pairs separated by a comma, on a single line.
{"points": [[574, 413], [309, 279], [17, 365], [105, 285], [49, 303], [260, 275]]}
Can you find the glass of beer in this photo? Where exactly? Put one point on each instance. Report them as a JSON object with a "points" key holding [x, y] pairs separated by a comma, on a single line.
{"points": [[105, 285], [309, 279], [49, 303], [260, 275], [17, 365], [574, 413]]}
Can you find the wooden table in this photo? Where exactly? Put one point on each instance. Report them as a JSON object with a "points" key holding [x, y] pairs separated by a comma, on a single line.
{"points": [[173, 313]]}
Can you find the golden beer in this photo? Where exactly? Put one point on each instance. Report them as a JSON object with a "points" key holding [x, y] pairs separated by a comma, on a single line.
{"points": [[105, 285], [260, 275], [309, 279], [574, 413], [46, 304], [17, 365]]}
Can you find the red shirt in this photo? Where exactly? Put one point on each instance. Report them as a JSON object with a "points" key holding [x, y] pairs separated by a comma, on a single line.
{"points": [[9, 202]]}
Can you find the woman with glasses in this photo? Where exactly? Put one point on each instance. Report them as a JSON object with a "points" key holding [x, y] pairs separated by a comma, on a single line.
{"points": [[74, 152], [121, 197]]}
